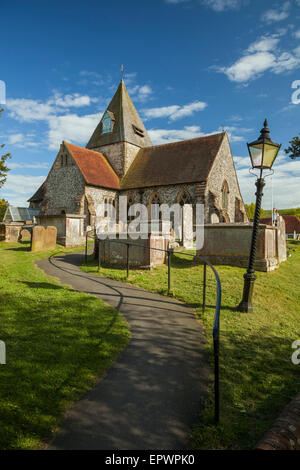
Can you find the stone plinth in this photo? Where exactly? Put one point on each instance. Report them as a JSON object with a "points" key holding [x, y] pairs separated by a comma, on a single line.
{"points": [[70, 228], [229, 244], [114, 252], [10, 232]]}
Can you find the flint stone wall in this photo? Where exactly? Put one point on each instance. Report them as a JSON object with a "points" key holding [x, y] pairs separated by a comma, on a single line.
{"points": [[64, 185], [224, 170], [285, 432]]}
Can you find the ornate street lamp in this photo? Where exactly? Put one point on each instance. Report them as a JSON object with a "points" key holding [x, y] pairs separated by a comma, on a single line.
{"points": [[262, 153]]}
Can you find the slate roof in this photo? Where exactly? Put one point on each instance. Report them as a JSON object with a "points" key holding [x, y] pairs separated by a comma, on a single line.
{"points": [[127, 123], [188, 161], [94, 167], [292, 222]]}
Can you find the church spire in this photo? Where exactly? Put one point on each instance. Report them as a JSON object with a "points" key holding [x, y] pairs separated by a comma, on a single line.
{"points": [[120, 123]]}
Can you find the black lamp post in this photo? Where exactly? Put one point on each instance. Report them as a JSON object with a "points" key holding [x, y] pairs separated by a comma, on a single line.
{"points": [[262, 153]]}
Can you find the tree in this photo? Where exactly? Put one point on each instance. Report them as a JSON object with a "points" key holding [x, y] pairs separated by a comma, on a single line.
{"points": [[294, 148], [3, 168], [250, 208], [3, 206]]}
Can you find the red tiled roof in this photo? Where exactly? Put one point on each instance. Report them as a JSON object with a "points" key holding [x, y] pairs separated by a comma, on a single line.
{"points": [[94, 167], [292, 222], [188, 161]]}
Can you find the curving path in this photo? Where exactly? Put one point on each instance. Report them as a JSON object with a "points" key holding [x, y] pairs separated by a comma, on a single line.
{"points": [[152, 394]]}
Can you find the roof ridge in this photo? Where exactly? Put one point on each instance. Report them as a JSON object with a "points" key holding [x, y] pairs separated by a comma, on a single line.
{"points": [[183, 141]]}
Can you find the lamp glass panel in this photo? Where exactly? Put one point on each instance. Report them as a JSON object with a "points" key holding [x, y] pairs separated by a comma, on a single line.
{"points": [[270, 153], [256, 153]]}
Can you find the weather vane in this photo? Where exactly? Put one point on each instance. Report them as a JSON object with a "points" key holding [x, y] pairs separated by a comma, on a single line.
{"points": [[122, 71]]}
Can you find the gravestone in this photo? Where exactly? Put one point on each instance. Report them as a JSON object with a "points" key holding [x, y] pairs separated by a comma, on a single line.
{"points": [[43, 238]]}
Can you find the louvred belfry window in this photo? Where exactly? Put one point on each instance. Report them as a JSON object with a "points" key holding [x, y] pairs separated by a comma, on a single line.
{"points": [[107, 124]]}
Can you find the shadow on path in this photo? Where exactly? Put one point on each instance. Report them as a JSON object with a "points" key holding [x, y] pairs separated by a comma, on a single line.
{"points": [[153, 393]]}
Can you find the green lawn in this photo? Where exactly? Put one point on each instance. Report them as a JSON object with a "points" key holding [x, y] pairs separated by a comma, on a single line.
{"points": [[257, 375], [59, 342]]}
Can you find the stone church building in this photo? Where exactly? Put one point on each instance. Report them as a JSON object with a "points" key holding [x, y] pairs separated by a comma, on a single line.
{"points": [[119, 159]]}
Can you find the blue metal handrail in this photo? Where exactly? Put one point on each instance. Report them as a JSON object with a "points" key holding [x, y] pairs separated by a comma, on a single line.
{"points": [[216, 327]]}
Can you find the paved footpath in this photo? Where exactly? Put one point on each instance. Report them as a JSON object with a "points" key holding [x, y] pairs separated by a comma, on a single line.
{"points": [[153, 393]]}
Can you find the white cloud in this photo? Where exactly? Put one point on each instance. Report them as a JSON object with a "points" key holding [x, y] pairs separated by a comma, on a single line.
{"points": [[221, 5], [19, 188], [262, 55], [234, 132], [21, 140], [165, 136], [280, 14], [71, 127], [15, 138], [264, 44], [175, 111], [297, 34], [27, 110], [140, 92], [72, 100], [297, 51], [284, 195], [250, 66], [88, 73], [36, 165], [176, 1]]}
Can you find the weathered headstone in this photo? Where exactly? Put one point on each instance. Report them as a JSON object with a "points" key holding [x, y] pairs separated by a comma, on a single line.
{"points": [[43, 238], [281, 239], [187, 233]]}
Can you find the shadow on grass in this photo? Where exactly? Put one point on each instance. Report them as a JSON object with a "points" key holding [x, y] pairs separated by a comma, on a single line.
{"points": [[19, 248], [257, 379], [56, 348], [42, 285]]}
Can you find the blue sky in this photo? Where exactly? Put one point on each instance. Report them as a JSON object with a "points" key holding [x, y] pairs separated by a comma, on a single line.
{"points": [[192, 67]]}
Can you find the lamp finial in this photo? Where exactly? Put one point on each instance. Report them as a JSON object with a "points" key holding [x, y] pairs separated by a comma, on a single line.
{"points": [[265, 132]]}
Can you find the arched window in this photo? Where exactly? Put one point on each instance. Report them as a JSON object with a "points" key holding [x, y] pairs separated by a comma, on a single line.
{"points": [[184, 198], [130, 202], [109, 205], [154, 203], [225, 195]]}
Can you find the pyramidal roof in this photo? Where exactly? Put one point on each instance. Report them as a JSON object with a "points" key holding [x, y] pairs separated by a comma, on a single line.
{"points": [[126, 124]]}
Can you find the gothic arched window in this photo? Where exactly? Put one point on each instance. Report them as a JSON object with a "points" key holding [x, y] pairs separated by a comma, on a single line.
{"points": [[184, 198], [154, 203], [130, 202], [225, 194]]}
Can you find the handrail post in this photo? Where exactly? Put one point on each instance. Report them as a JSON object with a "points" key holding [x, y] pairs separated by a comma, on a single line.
{"points": [[86, 244], [128, 259], [170, 251], [217, 393], [99, 255], [204, 287]]}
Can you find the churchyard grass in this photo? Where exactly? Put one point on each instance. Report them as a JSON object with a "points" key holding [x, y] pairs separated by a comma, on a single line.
{"points": [[257, 376], [59, 343]]}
